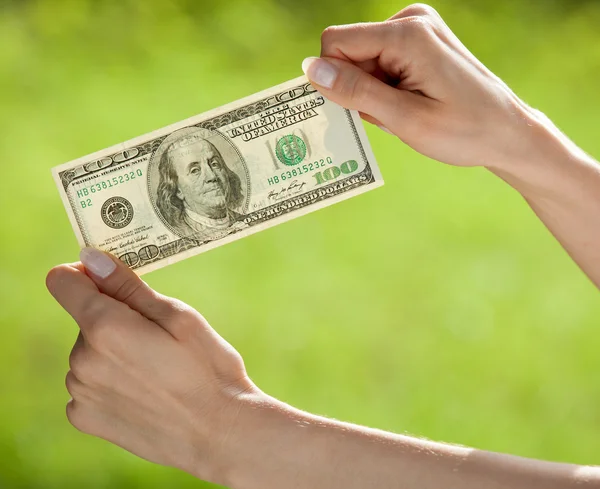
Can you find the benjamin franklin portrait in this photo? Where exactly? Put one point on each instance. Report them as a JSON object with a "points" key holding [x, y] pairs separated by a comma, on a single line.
{"points": [[197, 193]]}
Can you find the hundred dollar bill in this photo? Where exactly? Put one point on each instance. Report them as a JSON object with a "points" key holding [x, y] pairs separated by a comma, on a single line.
{"points": [[218, 176]]}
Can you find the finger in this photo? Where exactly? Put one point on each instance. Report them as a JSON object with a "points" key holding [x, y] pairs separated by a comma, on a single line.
{"points": [[383, 48], [93, 311], [355, 42], [349, 86], [375, 122], [110, 355], [84, 362], [388, 50], [437, 23], [416, 10], [444, 32], [370, 119], [102, 376], [78, 346], [373, 67], [113, 425], [77, 389], [74, 291], [92, 419], [115, 279]]}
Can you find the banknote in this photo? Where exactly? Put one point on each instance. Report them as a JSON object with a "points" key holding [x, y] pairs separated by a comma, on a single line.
{"points": [[218, 176]]}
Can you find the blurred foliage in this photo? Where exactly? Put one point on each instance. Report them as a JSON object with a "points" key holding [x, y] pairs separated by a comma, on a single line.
{"points": [[437, 305]]}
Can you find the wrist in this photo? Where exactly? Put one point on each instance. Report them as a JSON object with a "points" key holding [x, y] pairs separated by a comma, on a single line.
{"points": [[232, 446], [270, 445], [542, 162], [260, 449], [218, 432]]}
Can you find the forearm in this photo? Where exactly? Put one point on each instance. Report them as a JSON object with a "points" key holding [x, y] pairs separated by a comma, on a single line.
{"points": [[562, 185], [277, 446]]}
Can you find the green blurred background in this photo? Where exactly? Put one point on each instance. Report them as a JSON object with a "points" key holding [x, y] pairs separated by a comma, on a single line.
{"points": [[436, 306]]}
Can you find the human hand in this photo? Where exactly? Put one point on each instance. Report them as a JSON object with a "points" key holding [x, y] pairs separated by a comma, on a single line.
{"points": [[411, 75], [147, 372]]}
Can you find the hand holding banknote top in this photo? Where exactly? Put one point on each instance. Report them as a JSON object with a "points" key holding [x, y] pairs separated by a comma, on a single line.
{"points": [[149, 374], [411, 76]]}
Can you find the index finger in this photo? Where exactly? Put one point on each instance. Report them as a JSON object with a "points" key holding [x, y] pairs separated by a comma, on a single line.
{"points": [[73, 290], [355, 42]]}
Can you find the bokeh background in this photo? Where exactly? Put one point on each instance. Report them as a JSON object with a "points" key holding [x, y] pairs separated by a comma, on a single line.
{"points": [[436, 306]]}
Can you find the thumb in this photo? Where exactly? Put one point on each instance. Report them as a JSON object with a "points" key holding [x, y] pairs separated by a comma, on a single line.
{"points": [[353, 88], [115, 279]]}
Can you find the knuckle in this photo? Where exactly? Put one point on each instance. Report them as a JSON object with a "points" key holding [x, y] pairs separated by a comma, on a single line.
{"points": [[130, 287], [329, 32], [82, 368], [168, 308], [333, 36], [72, 384], [77, 417], [355, 88], [419, 9], [359, 88], [76, 360], [417, 23], [177, 307], [190, 323], [94, 308], [416, 27], [100, 335], [174, 307], [95, 323], [56, 276]]}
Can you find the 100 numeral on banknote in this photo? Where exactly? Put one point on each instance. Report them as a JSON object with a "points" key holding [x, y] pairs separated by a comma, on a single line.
{"points": [[218, 176]]}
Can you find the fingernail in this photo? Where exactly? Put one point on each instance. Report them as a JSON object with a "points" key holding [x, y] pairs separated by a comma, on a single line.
{"points": [[97, 262], [320, 71], [383, 128]]}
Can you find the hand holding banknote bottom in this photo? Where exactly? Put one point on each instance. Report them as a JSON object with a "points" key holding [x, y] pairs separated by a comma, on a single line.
{"points": [[149, 374]]}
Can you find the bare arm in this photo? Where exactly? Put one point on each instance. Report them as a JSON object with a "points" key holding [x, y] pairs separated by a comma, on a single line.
{"points": [[149, 374], [278, 446], [411, 75], [562, 185]]}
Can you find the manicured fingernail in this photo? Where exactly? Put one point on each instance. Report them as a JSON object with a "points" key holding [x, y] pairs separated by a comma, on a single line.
{"points": [[320, 71], [383, 128], [97, 262]]}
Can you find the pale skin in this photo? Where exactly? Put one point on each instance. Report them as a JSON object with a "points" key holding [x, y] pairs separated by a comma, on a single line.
{"points": [[149, 374]]}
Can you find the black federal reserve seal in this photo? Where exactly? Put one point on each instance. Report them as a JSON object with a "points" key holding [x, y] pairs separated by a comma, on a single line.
{"points": [[117, 212]]}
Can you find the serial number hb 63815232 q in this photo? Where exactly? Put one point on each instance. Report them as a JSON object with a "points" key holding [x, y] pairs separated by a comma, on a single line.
{"points": [[106, 184], [300, 170], [331, 172]]}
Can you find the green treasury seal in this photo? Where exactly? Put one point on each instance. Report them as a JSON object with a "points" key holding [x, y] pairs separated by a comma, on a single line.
{"points": [[290, 150]]}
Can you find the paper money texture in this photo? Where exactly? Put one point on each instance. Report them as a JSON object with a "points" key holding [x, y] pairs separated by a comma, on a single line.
{"points": [[218, 176]]}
